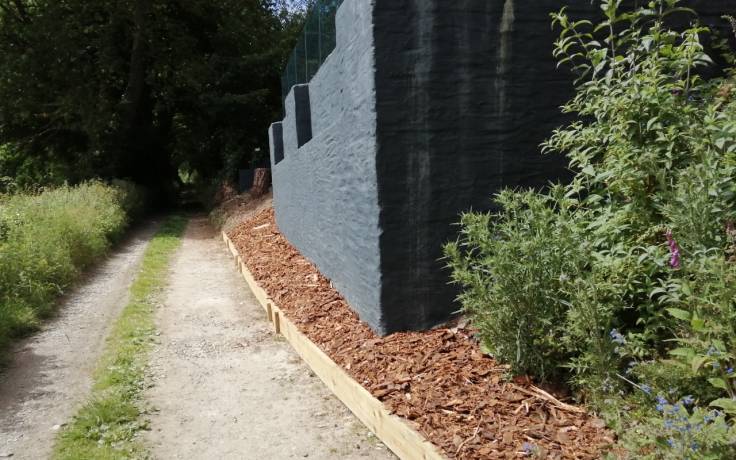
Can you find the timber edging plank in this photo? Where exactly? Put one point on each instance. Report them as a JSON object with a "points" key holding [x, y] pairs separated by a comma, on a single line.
{"points": [[393, 431]]}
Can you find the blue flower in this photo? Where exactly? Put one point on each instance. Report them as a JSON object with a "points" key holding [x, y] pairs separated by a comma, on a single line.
{"points": [[529, 448], [729, 371], [617, 337], [646, 389], [671, 442], [668, 424], [688, 400], [714, 414], [694, 447]]}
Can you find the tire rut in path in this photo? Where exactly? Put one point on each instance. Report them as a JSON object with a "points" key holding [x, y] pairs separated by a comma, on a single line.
{"points": [[50, 373], [223, 386]]}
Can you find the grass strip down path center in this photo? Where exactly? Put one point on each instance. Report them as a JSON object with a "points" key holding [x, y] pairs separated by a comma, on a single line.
{"points": [[107, 426]]}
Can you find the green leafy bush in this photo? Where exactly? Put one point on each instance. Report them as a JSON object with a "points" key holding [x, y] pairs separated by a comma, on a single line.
{"points": [[627, 273], [47, 238], [521, 278]]}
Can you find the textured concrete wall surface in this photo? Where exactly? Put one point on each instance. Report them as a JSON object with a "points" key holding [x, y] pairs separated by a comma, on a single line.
{"points": [[325, 193], [425, 109], [466, 91]]}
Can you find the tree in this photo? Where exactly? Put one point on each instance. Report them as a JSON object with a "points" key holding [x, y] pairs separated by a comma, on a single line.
{"points": [[138, 88]]}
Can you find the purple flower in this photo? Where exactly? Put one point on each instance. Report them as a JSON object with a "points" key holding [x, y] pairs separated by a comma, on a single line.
{"points": [[671, 442], [688, 400], [529, 448], [729, 371], [617, 337], [674, 250]]}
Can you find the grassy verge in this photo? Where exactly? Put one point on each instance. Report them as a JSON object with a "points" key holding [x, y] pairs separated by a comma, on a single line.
{"points": [[107, 426], [47, 239]]}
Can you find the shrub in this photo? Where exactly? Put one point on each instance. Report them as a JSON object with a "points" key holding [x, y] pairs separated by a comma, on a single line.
{"points": [[628, 271], [521, 278], [46, 239]]}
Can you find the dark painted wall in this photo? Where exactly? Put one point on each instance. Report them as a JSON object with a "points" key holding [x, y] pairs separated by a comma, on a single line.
{"points": [[425, 110], [325, 189], [466, 91]]}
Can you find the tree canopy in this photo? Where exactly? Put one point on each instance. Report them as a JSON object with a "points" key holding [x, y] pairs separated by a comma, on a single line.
{"points": [[139, 89]]}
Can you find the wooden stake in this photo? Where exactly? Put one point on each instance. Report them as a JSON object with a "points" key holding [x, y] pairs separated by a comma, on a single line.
{"points": [[277, 322]]}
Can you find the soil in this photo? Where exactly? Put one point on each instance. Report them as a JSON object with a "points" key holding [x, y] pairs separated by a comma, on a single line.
{"points": [[239, 208], [439, 381], [50, 373], [223, 386]]}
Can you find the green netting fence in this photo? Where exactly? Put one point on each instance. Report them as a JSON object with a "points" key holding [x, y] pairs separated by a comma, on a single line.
{"points": [[316, 42]]}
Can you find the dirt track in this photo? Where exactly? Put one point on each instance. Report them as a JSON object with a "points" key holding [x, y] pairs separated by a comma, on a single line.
{"points": [[50, 373], [224, 387]]}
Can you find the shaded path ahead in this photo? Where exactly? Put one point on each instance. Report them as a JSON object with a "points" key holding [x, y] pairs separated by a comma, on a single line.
{"points": [[50, 373], [224, 386]]}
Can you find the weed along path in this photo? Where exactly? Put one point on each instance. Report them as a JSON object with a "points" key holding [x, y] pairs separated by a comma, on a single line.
{"points": [[223, 386], [50, 374]]}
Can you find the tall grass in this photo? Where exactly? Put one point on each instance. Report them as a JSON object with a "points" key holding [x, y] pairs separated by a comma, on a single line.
{"points": [[47, 239]]}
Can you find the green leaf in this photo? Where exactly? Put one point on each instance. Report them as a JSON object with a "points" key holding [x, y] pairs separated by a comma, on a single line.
{"points": [[718, 383], [683, 352], [698, 362], [679, 314], [729, 405], [698, 324]]}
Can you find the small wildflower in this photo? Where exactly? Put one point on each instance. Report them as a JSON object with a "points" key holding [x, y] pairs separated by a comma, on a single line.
{"points": [[674, 250], [529, 448], [694, 447], [688, 400], [617, 337], [729, 371], [671, 442], [646, 389]]}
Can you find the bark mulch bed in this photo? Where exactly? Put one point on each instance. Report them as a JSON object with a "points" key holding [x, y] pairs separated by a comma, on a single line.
{"points": [[459, 398]]}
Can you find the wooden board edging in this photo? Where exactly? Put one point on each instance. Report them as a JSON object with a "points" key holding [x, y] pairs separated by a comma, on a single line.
{"points": [[393, 431]]}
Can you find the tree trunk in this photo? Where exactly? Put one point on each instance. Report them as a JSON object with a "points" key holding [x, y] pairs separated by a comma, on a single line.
{"points": [[133, 95], [261, 182]]}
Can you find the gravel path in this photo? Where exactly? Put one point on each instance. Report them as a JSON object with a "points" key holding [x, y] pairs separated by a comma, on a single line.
{"points": [[223, 386], [50, 373]]}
